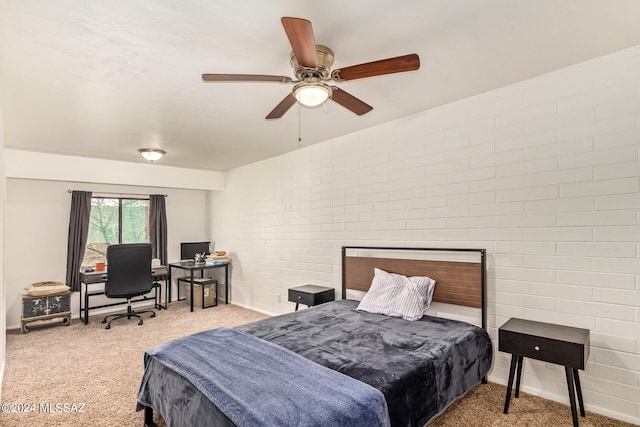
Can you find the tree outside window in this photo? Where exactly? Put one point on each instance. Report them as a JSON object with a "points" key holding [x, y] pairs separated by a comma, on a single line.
{"points": [[112, 221]]}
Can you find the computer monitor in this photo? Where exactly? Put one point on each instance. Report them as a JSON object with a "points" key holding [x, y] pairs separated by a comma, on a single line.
{"points": [[188, 250]]}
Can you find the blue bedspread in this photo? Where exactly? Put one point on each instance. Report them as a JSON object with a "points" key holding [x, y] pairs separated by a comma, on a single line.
{"points": [[420, 367], [257, 383]]}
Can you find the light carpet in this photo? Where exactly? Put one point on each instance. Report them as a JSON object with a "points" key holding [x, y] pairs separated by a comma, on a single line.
{"points": [[93, 375]]}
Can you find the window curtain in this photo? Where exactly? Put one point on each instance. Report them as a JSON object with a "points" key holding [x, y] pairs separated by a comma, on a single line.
{"points": [[78, 232], [158, 227]]}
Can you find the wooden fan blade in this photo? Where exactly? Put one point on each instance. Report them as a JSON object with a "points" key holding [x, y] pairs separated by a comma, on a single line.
{"points": [[398, 64], [303, 43], [244, 78], [282, 107], [350, 102]]}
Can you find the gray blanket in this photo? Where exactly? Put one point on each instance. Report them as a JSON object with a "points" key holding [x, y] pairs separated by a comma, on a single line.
{"points": [[420, 367], [256, 383]]}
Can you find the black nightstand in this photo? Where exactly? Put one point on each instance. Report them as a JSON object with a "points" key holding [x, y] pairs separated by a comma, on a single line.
{"points": [[311, 295], [562, 345]]}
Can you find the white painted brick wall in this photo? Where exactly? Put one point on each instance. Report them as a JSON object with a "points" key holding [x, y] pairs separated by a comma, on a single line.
{"points": [[544, 174]]}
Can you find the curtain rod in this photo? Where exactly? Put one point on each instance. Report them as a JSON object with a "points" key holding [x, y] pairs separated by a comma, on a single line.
{"points": [[120, 194]]}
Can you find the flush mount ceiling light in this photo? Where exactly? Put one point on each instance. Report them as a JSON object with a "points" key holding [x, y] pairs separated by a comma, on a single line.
{"points": [[311, 93], [151, 154]]}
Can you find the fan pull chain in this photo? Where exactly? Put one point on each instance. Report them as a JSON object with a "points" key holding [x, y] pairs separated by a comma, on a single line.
{"points": [[327, 104], [299, 126]]}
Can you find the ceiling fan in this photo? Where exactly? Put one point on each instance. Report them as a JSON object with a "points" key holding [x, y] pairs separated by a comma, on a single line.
{"points": [[312, 67]]}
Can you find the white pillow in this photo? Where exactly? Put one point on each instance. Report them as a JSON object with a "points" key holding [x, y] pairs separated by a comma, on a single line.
{"points": [[397, 295]]}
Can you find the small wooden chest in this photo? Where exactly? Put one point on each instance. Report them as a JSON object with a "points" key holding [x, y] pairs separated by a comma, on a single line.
{"points": [[45, 308]]}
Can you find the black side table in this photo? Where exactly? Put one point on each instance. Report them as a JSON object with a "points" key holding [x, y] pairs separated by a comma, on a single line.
{"points": [[311, 295], [562, 345]]}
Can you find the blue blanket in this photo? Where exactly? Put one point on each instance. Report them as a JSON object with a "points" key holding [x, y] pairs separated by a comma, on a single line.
{"points": [[420, 367], [257, 383]]}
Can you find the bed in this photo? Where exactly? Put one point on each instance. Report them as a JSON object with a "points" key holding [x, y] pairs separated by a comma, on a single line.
{"points": [[333, 364]]}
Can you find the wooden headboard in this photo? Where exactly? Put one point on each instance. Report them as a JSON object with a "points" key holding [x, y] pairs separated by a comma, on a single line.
{"points": [[457, 282]]}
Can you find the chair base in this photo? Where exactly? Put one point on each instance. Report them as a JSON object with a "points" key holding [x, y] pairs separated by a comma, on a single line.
{"points": [[129, 314]]}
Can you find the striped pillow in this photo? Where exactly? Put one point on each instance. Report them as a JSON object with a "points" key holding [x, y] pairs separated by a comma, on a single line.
{"points": [[397, 295]]}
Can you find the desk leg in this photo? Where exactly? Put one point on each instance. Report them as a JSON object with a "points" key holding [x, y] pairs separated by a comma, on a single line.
{"points": [[512, 371], [192, 290], [226, 283], [216, 288], [86, 303], [167, 291], [572, 394], [157, 281], [169, 284], [157, 299], [80, 295]]}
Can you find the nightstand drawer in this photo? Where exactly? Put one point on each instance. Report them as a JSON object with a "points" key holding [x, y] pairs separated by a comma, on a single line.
{"points": [[545, 349], [311, 295], [301, 297], [557, 344]]}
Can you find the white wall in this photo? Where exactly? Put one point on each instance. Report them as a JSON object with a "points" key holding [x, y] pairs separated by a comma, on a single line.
{"points": [[37, 225], [2, 291], [55, 167], [545, 174]]}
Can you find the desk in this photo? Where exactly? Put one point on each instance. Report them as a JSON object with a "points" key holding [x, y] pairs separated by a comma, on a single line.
{"points": [[158, 273], [191, 267], [562, 345]]}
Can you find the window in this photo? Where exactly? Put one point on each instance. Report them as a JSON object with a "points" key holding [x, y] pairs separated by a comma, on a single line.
{"points": [[112, 221]]}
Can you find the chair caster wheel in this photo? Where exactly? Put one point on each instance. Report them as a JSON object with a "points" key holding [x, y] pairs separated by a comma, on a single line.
{"points": [[104, 321], [108, 327], [140, 322], [153, 314]]}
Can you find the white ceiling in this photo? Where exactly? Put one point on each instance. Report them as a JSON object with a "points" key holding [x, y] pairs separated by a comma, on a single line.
{"points": [[102, 79]]}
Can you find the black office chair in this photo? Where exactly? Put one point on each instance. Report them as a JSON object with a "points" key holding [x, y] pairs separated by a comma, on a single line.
{"points": [[128, 276]]}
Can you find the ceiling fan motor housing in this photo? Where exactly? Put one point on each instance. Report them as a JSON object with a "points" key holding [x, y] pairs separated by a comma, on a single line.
{"points": [[325, 61]]}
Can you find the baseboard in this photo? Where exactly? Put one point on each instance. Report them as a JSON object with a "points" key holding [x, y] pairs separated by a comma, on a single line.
{"points": [[253, 309], [103, 311], [1, 376], [564, 399], [117, 309], [588, 406]]}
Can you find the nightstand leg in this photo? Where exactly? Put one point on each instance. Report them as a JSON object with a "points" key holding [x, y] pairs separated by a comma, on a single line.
{"points": [[512, 371], [572, 395], [296, 307], [519, 375], [576, 378]]}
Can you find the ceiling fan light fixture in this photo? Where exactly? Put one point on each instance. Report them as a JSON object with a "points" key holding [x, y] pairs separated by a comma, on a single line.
{"points": [[151, 154], [311, 94]]}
